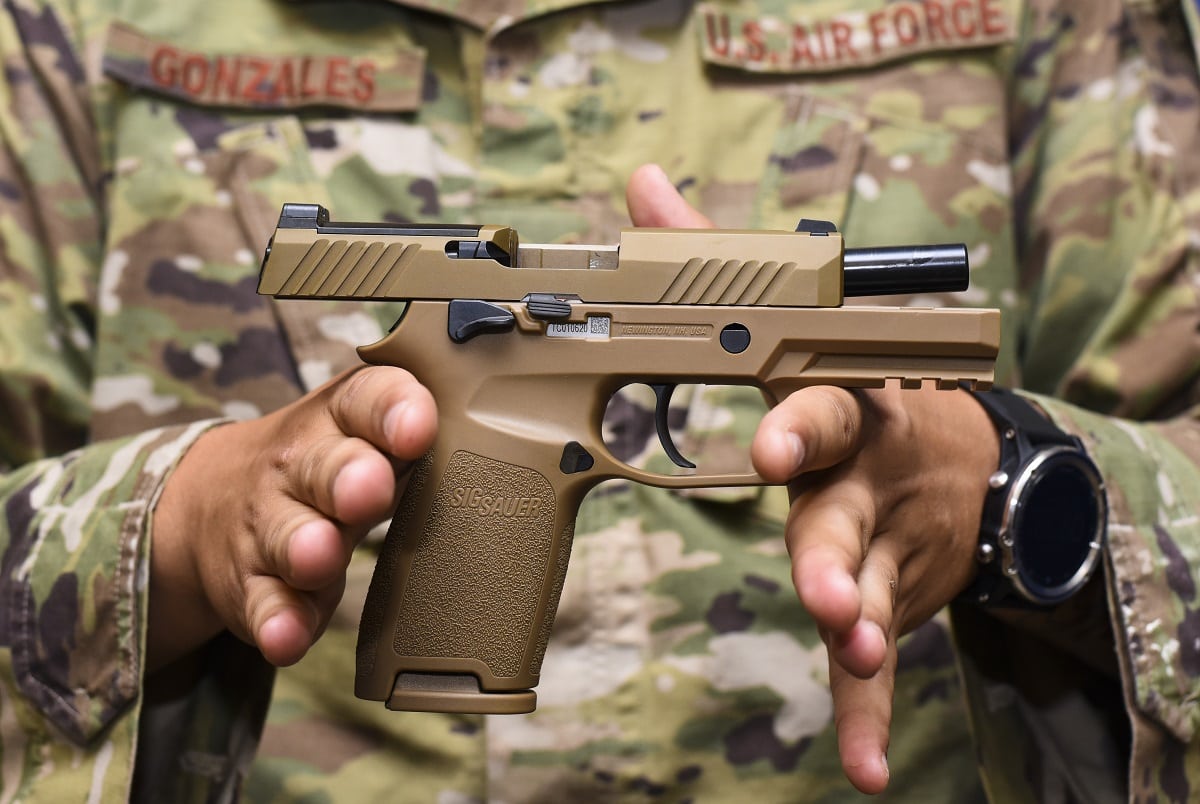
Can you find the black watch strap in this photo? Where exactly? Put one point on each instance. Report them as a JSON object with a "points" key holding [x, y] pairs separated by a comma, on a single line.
{"points": [[1009, 410]]}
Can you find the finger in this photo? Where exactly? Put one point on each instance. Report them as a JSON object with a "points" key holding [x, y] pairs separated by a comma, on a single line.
{"points": [[364, 489], [281, 621], [813, 428], [387, 407], [863, 649], [827, 536], [653, 201], [312, 556], [298, 544], [346, 479], [862, 711]]}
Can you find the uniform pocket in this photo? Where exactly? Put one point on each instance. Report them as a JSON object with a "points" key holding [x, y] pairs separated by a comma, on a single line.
{"points": [[893, 121], [889, 120], [196, 189]]}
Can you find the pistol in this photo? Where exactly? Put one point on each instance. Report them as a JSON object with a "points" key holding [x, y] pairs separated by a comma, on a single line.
{"points": [[523, 346]]}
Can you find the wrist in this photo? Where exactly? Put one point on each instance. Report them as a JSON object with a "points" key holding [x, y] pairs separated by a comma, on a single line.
{"points": [[982, 449], [180, 615], [946, 459]]}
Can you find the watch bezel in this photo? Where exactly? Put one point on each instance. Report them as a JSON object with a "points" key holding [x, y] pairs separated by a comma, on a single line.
{"points": [[1026, 474]]}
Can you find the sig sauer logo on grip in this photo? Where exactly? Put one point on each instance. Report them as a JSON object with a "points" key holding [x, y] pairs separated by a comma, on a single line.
{"points": [[494, 504]]}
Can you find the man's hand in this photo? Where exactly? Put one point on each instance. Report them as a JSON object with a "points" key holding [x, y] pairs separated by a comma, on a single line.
{"points": [[255, 527], [887, 496]]}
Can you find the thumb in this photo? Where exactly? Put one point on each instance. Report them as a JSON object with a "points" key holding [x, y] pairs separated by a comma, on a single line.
{"points": [[654, 201]]}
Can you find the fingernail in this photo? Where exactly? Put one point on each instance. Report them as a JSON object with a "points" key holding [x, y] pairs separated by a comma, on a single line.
{"points": [[275, 622], [659, 172], [887, 773], [795, 449], [393, 422]]}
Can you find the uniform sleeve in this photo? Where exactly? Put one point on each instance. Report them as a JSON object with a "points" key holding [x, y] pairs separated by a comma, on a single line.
{"points": [[1106, 169], [73, 529]]}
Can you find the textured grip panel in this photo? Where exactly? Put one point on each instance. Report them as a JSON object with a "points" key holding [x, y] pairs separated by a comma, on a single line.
{"points": [[387, 569], [560, 577], [476, 582]]}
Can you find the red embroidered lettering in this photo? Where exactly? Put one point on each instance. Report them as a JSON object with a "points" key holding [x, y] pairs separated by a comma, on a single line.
{"points": [[935, 18], [308, 88], [897, 29], [718, 38], [906, 25], [822, 54], [993, 18], [364, 88], [225, 82], [842, 46], [285, 84], [164, 66], [756, 44], [194, 75], [337, 76], [257, 89], [875, 22], [801, 52], [963, 16]]}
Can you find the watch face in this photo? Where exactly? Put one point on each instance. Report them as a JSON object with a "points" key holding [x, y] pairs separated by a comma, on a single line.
{"points": [[1056, 520]]}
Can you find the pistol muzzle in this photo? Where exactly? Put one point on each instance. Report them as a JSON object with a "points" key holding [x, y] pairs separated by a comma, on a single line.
{"points": [[893, 270]]}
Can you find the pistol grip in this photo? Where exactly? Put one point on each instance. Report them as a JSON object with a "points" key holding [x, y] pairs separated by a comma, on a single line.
{"points": [[463, 597]]}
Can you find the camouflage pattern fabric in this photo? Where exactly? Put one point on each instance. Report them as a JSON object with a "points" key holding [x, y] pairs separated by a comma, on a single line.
{"points": [[147, 148]]}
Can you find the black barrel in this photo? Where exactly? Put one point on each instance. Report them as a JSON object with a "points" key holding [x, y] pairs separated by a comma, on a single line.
{"points": [[891, 270]]}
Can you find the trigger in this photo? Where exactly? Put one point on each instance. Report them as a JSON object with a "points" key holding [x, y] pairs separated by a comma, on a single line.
{"points": [[663, 394]]}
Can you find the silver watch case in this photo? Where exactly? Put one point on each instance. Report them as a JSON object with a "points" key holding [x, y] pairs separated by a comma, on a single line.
{"points": [[1027, 476]]}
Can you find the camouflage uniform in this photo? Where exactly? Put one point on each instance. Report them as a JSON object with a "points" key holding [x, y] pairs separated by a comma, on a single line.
{"points": [[148, 146]]}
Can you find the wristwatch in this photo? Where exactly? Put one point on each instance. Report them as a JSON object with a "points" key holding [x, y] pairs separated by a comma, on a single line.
{"points": [[1044, 518]]}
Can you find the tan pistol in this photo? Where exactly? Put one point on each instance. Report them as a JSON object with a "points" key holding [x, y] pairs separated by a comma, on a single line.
{"points": [[523, 346]]}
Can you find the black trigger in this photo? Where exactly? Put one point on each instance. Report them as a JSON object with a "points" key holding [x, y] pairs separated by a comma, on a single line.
{"points": [[663, 394]]}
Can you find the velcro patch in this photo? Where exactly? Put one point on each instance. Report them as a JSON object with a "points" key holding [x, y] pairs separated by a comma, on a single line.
{"points": [[851, 39], [386, 84]]}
